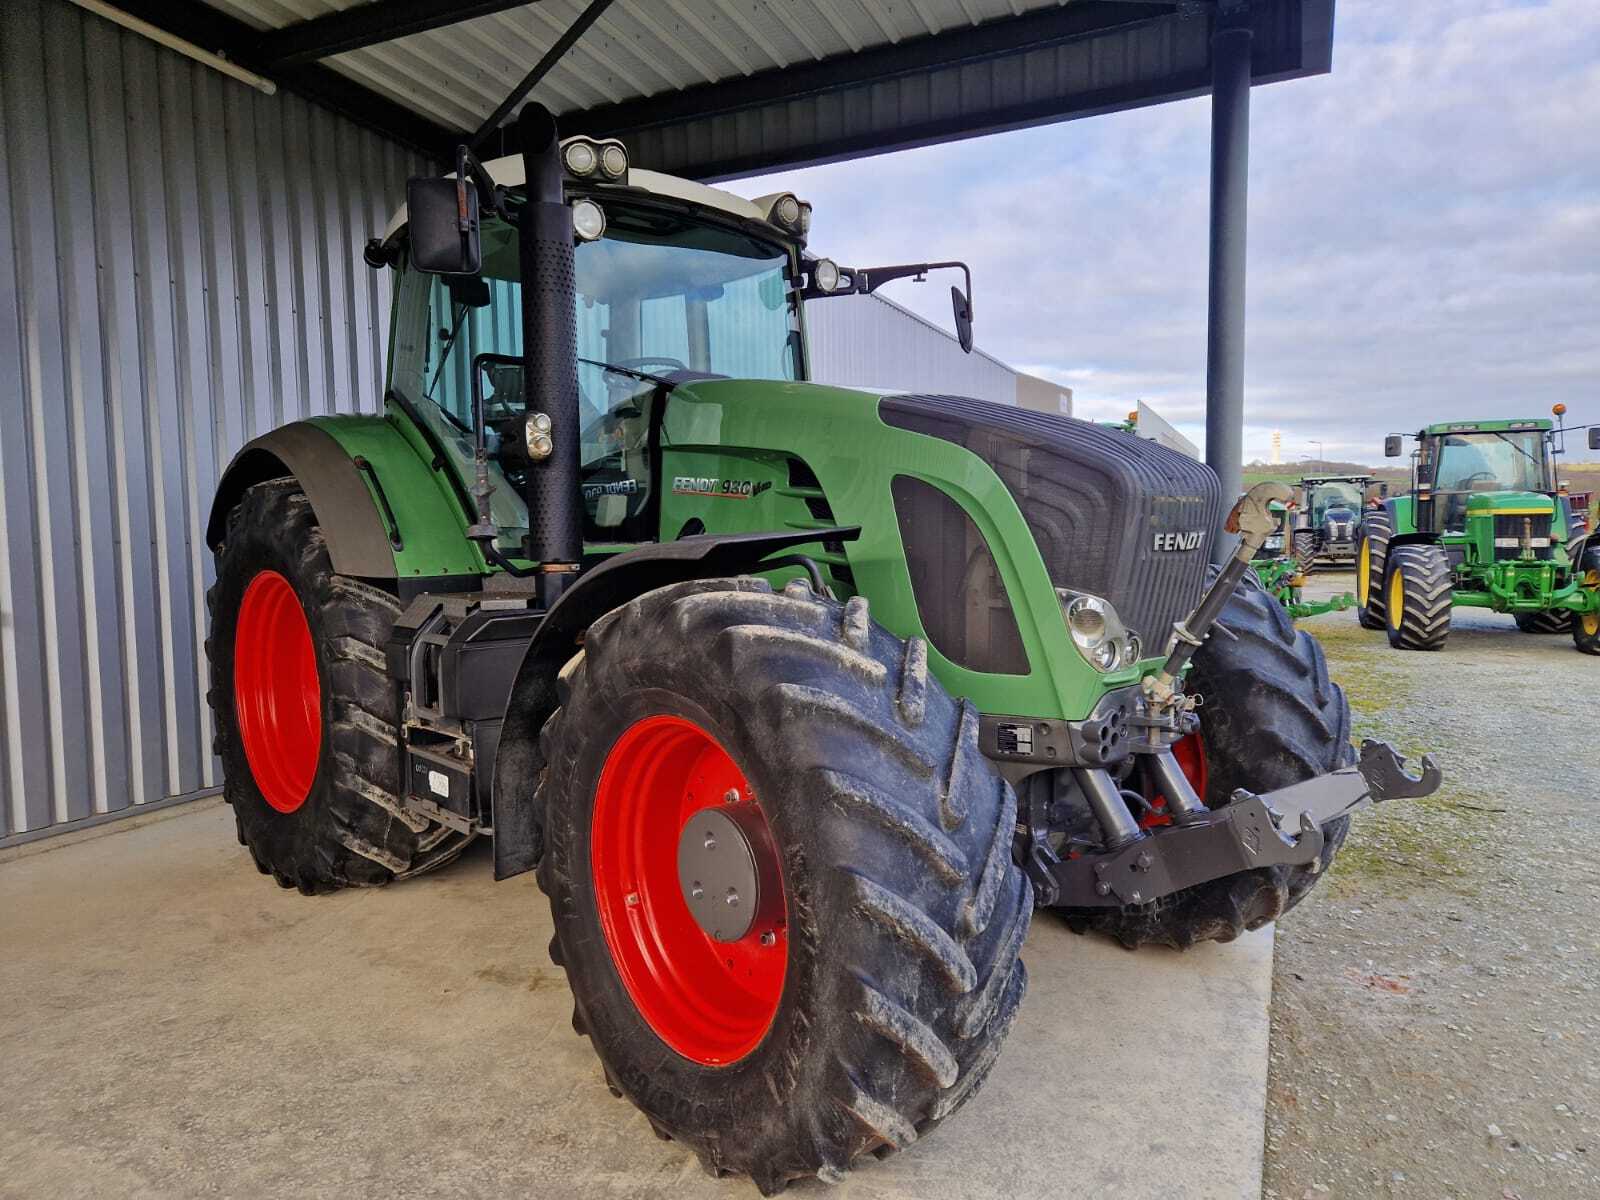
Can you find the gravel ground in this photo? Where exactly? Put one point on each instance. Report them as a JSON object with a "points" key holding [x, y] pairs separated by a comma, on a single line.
{"points": [[1436, 1005]]}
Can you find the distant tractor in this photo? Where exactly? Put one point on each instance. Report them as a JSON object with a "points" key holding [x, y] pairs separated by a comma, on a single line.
{"points": [[1283, 575], [1327, 525], [1483, 526]]}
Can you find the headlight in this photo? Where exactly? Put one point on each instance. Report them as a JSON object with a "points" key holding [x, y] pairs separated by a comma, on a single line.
{"points": [[1097, 631], [825, 274], [614, 161]]}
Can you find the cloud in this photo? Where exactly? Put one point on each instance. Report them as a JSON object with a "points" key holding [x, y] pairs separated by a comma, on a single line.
{"points": [[1424, 236]]}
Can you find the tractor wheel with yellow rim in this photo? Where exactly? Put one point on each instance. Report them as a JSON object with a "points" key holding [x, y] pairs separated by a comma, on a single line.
{"points": [[1586, 626], [1417, 598], [1371, 556]]}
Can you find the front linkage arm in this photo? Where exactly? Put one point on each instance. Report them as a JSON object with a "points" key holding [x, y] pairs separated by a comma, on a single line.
{"points": [[1246, 834], [1281, 828]]}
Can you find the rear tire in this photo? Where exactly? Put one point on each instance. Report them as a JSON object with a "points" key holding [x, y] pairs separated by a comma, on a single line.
{"points": [[1417, 597], [1371, 558], [905, 911], [1305, 550], [1558, 621], [341, 823], [1271, 717]]}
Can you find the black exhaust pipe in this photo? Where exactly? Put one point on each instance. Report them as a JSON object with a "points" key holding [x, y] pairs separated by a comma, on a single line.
{"points": [[549, 354]]}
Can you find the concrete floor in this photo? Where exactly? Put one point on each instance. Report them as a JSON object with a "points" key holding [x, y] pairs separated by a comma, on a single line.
{"points": [[172, 1024]]}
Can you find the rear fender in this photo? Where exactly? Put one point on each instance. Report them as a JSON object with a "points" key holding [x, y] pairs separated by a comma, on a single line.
{"points": [[518, 837]]}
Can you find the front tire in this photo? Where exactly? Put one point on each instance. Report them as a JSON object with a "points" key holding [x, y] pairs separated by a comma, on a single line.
{"points": [[1417, 598], [896, 945], [305, 714], [1305, 550], [1272, 717]]}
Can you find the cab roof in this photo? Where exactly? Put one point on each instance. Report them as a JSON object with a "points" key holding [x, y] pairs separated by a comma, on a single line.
{"points": [[508, 172], [1529, 424]]}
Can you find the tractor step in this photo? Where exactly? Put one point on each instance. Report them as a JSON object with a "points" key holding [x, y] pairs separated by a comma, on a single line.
{"points": [[1281, 828], [452, 658]]}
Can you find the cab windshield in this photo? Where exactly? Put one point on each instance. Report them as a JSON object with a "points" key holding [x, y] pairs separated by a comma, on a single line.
{"points": [[1488, 462], [1340, 494], [663, 293]]}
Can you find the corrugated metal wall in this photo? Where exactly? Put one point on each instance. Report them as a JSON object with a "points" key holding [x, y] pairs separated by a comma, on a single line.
{"points": [[871, 342], [180, 270]]}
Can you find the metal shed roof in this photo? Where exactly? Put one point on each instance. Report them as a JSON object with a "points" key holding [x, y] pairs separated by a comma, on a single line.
{"points": [[712, 88]]}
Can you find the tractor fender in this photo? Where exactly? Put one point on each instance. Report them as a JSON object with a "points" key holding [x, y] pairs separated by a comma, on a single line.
{"points": [[385, 510], [358, 543], [518, 833], [1422, 538]]}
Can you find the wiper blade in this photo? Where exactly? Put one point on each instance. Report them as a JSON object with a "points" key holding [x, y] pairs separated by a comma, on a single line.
{"points": [[1519, 449], [630, 372]]}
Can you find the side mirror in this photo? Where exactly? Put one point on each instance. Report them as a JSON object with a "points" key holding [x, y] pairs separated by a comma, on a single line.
{"points": [[1594, 437], [963, 314], [443, 224], [1393, 445]]}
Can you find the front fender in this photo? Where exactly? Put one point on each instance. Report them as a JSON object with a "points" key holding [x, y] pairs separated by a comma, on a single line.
{"points": [[624, 577]]}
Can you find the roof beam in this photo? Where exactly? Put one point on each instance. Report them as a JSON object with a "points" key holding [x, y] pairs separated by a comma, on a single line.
{"points": [[216, 31], [367, 25], [992, 39]]}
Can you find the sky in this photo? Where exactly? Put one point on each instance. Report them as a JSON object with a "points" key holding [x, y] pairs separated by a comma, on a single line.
{"points": [[1424, 234]]}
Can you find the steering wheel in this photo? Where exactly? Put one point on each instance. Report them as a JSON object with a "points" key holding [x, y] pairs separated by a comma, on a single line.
{"points": [[1466, 484]]}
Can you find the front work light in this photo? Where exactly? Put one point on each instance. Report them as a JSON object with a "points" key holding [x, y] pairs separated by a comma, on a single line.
{"points": [[588, 220], [825, 274], [580, 158], [605, 161]]}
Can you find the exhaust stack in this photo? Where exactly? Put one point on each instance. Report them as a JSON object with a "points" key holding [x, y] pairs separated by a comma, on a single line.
{"points": [[550, 354]]}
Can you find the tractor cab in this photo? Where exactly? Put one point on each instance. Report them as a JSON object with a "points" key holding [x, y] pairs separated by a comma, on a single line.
{"points": [[1461, 465], [674, 282]]}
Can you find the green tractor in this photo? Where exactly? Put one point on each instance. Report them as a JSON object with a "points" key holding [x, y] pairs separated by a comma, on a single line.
{"points": [[1327, 522], [1283, 575], [1484, 525], [798, 700]]}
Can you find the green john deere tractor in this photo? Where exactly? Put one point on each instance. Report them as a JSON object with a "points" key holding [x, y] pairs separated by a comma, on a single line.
{"points": [[1483, 526], [1327, 520], [798, 699]]}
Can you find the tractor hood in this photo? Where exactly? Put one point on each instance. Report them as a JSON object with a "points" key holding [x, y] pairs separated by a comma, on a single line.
{"points": [[1113, 515], [1522, 504]]}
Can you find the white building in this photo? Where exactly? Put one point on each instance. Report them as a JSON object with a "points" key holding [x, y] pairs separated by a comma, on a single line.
{"points": [[872, 342]]}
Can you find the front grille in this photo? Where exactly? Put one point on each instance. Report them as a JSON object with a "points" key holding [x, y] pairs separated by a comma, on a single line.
{"points": [[1114, 515], [1512, 532]]}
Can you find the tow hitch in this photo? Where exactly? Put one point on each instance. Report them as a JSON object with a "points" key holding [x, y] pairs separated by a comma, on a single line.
{"points": [[1281, 828]]}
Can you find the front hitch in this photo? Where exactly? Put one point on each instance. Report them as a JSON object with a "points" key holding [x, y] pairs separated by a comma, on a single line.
{"points": [[1281, 828]]}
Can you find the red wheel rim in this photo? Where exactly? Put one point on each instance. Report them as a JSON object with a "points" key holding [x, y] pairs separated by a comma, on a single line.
{"points": [[1190, 753], [277, 696], [710, 1001]]}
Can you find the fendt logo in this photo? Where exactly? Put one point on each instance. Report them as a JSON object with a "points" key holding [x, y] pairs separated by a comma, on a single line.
{"points": [[1180, 541], [727, 489]]}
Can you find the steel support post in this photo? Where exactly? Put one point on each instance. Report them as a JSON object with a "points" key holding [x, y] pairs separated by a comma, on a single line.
{"points": [[1230, 171]]}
